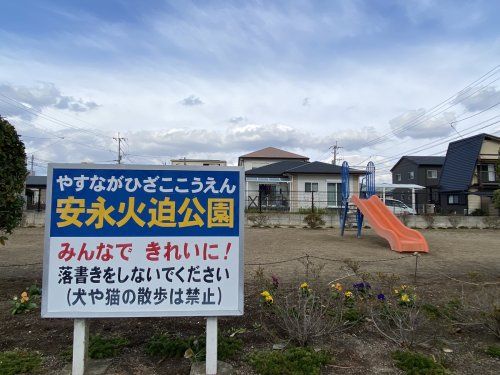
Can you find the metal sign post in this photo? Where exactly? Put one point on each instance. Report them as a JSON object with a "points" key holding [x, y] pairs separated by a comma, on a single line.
{"points": [[80, 346], [211, 346]]}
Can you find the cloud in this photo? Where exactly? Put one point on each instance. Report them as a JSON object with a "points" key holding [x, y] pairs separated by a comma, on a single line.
{"points": [[306, 102], [483, 99], [191, 101], [38, 97], [417, 124], [237, 119]]}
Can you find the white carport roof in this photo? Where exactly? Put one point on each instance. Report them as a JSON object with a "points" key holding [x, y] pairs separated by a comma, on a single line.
{"points": [[388, 186]]}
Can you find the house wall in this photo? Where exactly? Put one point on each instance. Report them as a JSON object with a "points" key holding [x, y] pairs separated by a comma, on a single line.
{"points": [[303, 200], [420, 172], [489, 149], [199, 162]]}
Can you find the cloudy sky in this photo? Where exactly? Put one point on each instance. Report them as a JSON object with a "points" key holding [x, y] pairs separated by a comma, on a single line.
{"points": [[217, 79]]}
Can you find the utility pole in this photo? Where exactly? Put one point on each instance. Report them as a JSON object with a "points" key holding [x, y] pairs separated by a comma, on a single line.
{"points": [[32, 165], [335, 149], [120, 154]]}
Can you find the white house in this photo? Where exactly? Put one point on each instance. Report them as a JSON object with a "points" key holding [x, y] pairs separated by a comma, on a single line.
{"points": [[291, 185]]}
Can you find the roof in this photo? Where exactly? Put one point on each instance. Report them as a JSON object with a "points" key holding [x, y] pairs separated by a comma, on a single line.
{"points": [[198, 160], [460, 162], [275, 169], [297, 166], [318, 167], [422, 160], [273, 153], [36, 181]]}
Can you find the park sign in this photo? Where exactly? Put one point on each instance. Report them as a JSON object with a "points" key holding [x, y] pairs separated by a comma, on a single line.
{"points": [[132, 241]]}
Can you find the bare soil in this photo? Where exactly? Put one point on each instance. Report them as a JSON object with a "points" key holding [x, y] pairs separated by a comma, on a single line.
{"points": [[454, 255]]}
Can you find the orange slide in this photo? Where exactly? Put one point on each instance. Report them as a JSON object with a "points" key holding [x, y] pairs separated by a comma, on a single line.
{"points": [[387, 225]]}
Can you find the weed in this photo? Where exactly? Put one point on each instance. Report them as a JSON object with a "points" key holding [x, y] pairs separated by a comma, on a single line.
{"points": [[100, 347], [166, 346], [429, 219], [19, 362], [294, 361], [454, 221], [493, 350], [413, 363]]}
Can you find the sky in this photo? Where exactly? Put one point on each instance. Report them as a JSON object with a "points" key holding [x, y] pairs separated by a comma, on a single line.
{"points": [[218, 79]]}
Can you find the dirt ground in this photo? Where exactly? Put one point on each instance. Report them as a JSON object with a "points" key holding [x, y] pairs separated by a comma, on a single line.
{"points": [[454, 254]]}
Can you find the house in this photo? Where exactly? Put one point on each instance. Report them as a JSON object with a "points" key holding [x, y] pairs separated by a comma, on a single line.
{"points": [[470, 175], [36, 189], [418, 170], [203, 162], [266, 156], [292, 185]]}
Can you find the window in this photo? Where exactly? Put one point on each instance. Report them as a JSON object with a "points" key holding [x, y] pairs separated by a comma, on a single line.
{"points": [[398, 177], [311, 186], [453, 199], [411, 175], [333, 194], [487, 172], [432, 173]]}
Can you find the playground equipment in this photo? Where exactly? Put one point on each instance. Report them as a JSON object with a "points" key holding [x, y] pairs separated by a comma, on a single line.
{"points": [[382, 220]]}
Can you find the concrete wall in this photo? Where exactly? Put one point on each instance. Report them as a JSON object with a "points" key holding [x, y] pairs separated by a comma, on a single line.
{"points": [[414, 221], [33, 219]]}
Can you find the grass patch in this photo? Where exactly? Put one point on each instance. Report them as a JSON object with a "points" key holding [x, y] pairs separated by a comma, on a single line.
{"points": [[19, 362], [413, 363], [493, 350], [293, 361], [167, 346]]}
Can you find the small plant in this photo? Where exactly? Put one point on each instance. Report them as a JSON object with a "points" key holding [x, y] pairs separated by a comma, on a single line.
{"points": [[293, 361], [429, 219], [22, 304], [100, 347], [415, 363], [193, 348], [404, 217], [454, 221], [314, 220], [479, 212], [493, 350], [19, 362], [259, 220]]}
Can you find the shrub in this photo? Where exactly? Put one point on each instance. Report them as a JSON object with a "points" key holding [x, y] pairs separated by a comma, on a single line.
{"points": [[415, 363], [496, 198], [293, 361], [100, 347], [396, 315], [429, 219], [19, 362], [314, 220], [259, 220], [479, 212]]}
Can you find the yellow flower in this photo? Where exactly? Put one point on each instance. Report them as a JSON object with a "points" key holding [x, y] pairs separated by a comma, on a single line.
{"points": [[338, 286], [304, 286], [269, 299], [24, 297], [265, 294], [403, 287], [405, 298], [396, 291], [348, 294]]}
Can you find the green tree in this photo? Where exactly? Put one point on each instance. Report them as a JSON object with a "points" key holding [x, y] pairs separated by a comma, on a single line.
{"points": [[12, 177]]}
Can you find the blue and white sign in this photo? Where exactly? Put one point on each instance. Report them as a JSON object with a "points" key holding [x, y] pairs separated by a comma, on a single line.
{"points": [[143, 241]]}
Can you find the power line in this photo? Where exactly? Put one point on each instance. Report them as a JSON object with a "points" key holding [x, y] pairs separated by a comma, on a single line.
{"points": [[415, 121]]}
